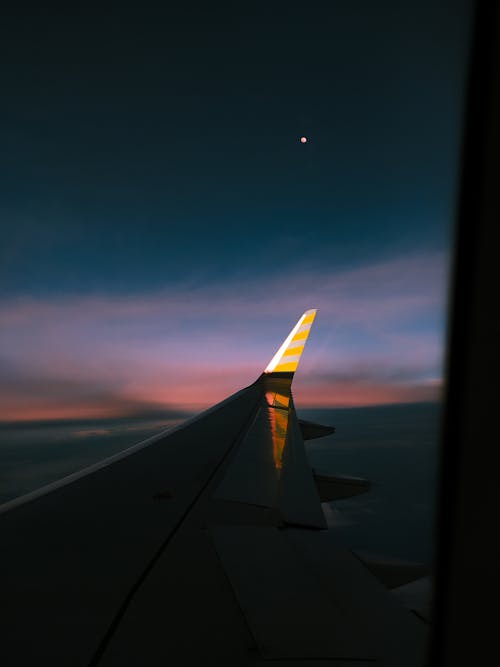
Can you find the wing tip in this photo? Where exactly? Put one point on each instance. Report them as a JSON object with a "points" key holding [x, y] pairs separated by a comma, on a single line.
{"points": [[286, 359]]}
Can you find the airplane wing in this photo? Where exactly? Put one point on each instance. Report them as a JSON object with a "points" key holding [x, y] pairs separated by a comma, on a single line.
{"points": [[205, 544]]}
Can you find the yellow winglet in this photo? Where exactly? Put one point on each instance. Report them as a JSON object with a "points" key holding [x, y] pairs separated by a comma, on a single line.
{"points": [[288, 356]]}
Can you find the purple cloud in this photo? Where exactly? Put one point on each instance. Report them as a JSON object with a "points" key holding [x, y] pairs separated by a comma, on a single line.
{"points": [[379, 326]]}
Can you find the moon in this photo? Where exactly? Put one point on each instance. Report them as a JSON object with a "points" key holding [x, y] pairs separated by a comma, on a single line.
{"points": [[303, 140]]}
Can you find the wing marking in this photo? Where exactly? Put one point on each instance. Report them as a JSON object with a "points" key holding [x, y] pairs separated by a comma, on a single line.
{"points": [[286, 359]]}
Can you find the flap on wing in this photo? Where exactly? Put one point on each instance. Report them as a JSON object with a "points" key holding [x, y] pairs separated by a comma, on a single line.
{"points": [[312, 430], [392, 572], [286, 608], [417, 596], [336, 487]]}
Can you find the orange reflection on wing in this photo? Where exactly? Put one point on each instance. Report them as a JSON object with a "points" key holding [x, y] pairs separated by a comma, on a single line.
{"points": [[279, 425], [270, 397], [276, 400]]}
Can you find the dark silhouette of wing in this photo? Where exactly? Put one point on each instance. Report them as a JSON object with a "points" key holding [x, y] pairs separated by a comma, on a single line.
{"points": [[206, 544]]}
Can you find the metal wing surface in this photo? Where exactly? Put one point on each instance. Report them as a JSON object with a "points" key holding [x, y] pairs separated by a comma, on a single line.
{"points": [[206, 544]]}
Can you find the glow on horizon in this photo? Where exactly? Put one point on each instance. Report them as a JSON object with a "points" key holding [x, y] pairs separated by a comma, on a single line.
{"points": [[189, 401], [379, 339]]}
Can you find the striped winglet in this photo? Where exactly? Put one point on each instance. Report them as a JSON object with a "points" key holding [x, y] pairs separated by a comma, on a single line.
{"points": [[288, 356]]}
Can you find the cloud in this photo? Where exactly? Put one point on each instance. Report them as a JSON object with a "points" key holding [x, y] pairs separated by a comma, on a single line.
{"points": [[352, 393], [379, 337], [390, 288], [26, 397]]}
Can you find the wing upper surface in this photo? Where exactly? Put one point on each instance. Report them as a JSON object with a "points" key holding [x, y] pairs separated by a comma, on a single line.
{"points": [[72, 556]]}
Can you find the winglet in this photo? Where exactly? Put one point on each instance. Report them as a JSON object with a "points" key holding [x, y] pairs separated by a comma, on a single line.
{"points": [[288, 356]]}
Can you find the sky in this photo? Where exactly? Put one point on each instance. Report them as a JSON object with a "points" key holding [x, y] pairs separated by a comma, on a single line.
{"points": [[163, 227]]}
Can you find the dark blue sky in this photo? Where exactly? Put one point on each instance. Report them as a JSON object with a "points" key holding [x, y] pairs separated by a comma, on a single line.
{"points": [[141, 145], [162, 224]]}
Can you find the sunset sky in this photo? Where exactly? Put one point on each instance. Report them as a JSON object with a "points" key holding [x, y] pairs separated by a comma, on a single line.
{"points": [[163, 227]]}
